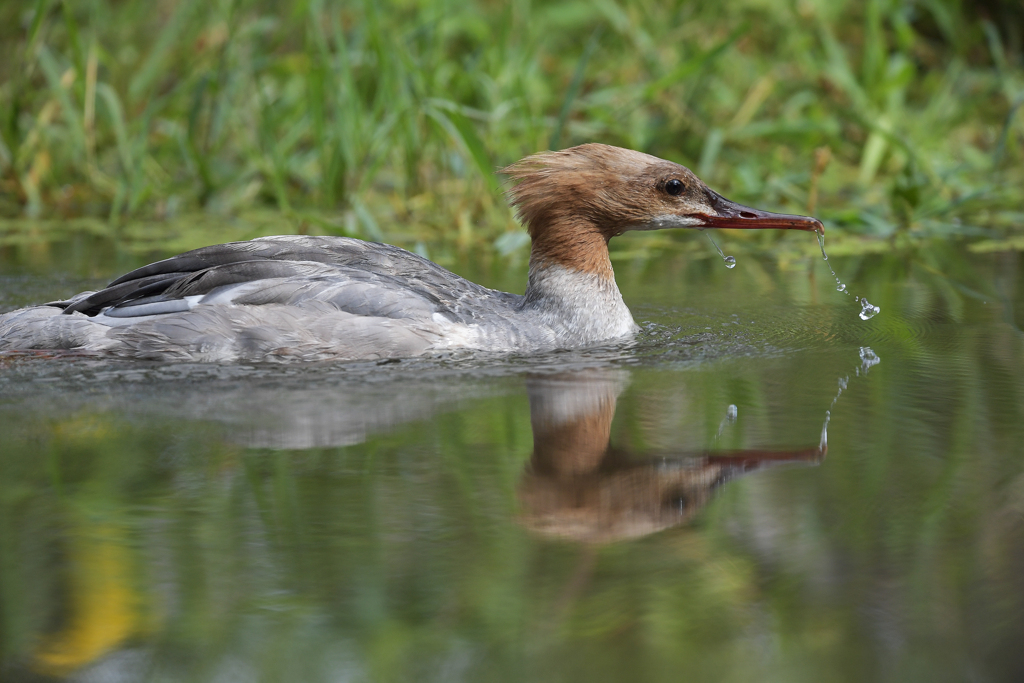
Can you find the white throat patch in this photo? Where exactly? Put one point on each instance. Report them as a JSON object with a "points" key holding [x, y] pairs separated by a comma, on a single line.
{"points": [[582, 308], [670, 221]]}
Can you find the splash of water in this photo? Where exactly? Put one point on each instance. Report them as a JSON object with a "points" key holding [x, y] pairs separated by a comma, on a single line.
{"points": [[868, 360], [867, 309], [730, 261], [730, 417]]}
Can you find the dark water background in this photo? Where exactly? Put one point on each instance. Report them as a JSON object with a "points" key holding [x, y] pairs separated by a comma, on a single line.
{"points": [[664, 510]]}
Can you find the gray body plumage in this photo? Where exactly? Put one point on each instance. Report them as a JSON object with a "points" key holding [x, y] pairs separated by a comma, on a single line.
{"points": [[318, 298]]}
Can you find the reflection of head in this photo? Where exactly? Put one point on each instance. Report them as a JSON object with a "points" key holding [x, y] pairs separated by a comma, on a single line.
{"points": [[578, 488], [617, 504]]}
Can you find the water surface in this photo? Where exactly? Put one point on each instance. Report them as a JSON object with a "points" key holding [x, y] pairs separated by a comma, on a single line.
{"points": [[761, 487]]}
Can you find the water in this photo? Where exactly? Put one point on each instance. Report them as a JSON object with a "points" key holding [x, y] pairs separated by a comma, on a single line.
{"points": [[730, 261], [867, 310], [760, 488], [868, 359]]}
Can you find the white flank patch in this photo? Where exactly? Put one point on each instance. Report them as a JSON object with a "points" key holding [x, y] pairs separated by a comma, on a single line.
{"points": [[456, 335]]}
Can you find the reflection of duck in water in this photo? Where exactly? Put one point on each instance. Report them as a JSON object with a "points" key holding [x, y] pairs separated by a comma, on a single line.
{"points": [[578, 487]]}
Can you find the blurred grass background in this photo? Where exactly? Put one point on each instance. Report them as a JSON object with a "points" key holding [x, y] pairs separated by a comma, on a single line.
{"points": [[183, 122]]}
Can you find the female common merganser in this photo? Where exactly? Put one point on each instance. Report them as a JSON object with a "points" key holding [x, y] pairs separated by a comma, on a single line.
{"points": [[316, 298]]}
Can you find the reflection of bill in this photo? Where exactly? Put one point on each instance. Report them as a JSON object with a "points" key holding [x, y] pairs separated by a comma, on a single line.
{"points": [[578, 487]]}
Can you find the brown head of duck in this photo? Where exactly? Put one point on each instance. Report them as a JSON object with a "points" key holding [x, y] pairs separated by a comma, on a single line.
{"points": [[575, 200]]}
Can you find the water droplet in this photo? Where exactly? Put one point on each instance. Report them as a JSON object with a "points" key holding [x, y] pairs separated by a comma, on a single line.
{"points": [[868, 311], [730, 261], [868, 358], [730, 417]]}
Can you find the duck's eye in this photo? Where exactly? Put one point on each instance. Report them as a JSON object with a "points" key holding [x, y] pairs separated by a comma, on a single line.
{"points": [[674, 187]]}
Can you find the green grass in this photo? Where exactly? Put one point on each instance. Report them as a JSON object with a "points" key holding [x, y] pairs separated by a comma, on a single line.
{"points": [[889, 119]]}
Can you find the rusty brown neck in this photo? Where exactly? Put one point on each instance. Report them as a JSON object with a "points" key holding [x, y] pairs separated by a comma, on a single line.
{"points": [[574, 244], [572, 288]]}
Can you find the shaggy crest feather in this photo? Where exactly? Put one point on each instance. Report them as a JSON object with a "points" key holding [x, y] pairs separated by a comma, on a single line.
{"points": [[594, 182], [575, 200]]}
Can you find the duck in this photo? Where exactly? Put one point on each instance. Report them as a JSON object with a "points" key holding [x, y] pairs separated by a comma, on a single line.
{"points": [[299, 297]]}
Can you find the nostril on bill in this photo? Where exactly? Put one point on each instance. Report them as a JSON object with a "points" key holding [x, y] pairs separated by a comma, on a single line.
{"points": [[747, 214]]}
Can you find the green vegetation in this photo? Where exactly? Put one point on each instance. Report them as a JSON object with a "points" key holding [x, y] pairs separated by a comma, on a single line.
{"points": [[214, 119]]}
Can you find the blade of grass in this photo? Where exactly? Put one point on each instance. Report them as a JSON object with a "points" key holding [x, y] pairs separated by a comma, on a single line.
{"points": [[153, 65], [574, 88], [55, 80], [695, 64], [463, 133], [114, 110], [40, 11]]}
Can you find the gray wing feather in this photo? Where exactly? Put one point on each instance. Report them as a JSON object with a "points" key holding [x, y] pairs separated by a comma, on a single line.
{"points": [[281, 297], [359, 277]]}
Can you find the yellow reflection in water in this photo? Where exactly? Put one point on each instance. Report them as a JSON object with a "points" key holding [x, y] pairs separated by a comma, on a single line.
{"points": [[103, 605]]}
